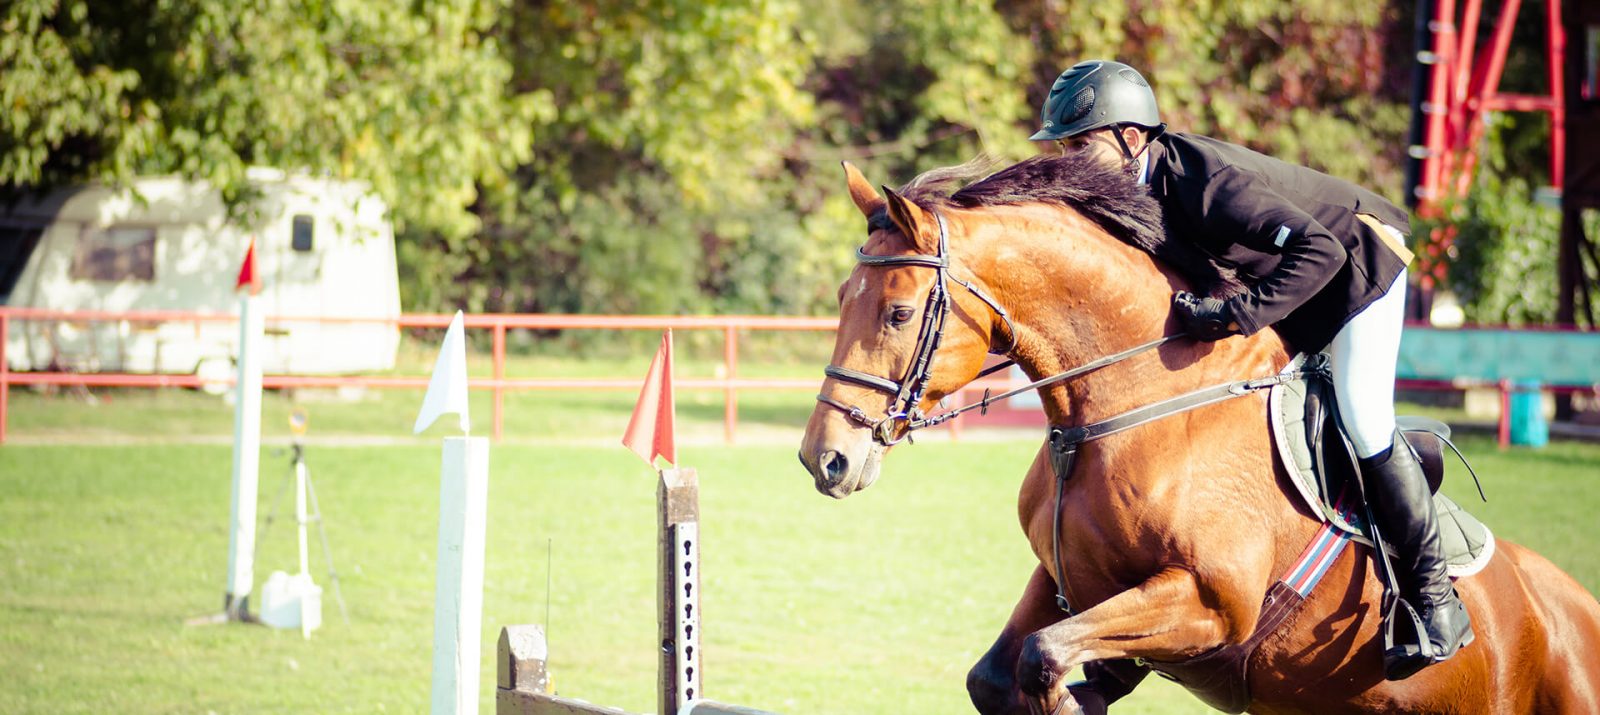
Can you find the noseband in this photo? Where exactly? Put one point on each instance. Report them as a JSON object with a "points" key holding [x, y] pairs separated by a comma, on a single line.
{"points": [[905, 410]]}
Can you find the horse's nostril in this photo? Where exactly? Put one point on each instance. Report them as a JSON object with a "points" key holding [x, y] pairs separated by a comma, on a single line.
{"points": [[834, 465]]}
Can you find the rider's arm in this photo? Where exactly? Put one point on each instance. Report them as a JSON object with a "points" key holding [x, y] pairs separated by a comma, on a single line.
{"points": [[1237, 208]]}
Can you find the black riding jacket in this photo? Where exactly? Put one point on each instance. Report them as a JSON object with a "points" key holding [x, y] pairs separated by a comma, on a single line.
{"points": [[1291, 232]]}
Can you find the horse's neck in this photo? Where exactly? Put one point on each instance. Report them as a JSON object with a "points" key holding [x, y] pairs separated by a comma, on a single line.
{"points": [[1077, 294]]}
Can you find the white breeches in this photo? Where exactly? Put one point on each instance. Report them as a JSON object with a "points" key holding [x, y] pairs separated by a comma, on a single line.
{"points": [[1363, 359]]}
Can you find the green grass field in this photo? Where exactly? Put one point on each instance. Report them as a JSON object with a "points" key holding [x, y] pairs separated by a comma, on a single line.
{"points": [[113, 524]]}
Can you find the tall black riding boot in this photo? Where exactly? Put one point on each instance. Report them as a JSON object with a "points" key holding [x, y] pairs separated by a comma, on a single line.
{"points": [[1404, 510]]}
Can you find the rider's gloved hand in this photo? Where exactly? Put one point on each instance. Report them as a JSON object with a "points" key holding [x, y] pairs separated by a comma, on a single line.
{"points": [[1204, 318]]}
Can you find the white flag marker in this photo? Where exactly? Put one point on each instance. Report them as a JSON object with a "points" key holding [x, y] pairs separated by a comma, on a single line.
{"points": [[463, 525], [447, 389]]}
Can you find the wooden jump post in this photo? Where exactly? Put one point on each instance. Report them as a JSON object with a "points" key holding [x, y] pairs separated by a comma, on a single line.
{"points": [[523, 685], [523, 680]]}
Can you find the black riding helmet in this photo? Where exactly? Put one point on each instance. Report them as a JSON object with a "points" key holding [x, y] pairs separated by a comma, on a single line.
{"points": [[1096, 94]]}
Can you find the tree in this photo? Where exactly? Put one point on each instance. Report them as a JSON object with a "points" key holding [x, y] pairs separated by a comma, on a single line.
{"points": [[656, 155], [1504, 253], [414, 99], [1322, 83], [692, 162]]}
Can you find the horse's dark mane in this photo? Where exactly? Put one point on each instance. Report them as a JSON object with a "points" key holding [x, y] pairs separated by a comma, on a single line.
{"points": [[1108, 197]]}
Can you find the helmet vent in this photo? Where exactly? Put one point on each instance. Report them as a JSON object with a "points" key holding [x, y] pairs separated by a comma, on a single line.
{"points": [[1081, 104], [1134, 77]]}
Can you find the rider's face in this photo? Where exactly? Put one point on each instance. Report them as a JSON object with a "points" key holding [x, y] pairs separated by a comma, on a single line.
{"points": [[1101, 144]]}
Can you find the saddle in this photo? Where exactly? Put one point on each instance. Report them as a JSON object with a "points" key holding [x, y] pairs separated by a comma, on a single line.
{"points": [[1306, 430]]}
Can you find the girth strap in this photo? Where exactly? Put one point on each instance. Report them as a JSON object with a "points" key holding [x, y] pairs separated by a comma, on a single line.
{"points": [[1167, 408], [1064, 443]]}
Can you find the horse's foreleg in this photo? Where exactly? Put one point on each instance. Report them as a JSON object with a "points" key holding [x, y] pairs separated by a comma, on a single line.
{"points": [[1164, 618], [992, 682]]}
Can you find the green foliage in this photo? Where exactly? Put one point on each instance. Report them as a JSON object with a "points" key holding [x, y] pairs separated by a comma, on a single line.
{"points": [[413, 99], [661, 155], [1321, 83], [1505, 251], [1505, 254], [691, 163], [702, 90], [51, 98]]}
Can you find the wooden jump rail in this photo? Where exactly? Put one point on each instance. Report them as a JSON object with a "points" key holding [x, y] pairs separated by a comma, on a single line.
{"points": [[523, 680]]}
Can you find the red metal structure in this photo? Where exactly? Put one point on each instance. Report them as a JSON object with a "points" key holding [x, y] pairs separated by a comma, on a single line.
{"points": [[1459, 86]]}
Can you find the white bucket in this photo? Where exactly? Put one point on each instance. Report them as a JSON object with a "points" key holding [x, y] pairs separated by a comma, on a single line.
{"points": [[291, 602]]}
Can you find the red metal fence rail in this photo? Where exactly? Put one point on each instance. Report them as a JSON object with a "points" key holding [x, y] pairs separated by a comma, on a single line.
{"points": [[499, 323]]}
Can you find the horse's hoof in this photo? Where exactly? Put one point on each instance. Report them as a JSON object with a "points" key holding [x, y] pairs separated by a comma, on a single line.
{"points": [[1069, 705], [1088, 701]]}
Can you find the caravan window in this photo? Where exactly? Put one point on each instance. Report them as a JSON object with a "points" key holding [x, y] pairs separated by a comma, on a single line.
{"points": [[300, 237], [118, 253]]}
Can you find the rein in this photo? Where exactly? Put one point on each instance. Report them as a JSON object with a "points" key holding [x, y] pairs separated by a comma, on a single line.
{"points": [[905, 410], [905, 413]]}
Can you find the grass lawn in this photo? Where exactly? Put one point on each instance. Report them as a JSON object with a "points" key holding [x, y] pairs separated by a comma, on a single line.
{"points": [[874, 604], [114, 509]]}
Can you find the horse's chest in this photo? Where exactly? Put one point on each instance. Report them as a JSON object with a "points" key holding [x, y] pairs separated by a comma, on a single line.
{"points": [[1109, 538]]}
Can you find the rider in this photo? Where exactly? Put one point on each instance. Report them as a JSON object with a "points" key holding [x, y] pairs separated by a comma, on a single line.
{"points": [[1326, 263]]}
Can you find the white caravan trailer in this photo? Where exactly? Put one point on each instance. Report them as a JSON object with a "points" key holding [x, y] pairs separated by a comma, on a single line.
{"points": [[323, 248]]}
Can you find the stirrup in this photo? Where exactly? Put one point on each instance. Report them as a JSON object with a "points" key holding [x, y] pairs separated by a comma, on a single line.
{"points": [[1405, 657]]}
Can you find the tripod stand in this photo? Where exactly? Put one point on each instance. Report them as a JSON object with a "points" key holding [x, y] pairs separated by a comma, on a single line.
{"points": [[305, 494]]}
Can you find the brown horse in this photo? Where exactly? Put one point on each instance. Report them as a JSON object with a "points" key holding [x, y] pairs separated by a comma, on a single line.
{"points": [[1171, 532]]}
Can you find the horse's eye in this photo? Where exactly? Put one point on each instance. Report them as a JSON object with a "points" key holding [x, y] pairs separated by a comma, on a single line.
{"points": [[900, 316]]}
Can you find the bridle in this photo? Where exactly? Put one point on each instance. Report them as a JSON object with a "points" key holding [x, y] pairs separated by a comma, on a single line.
{"points": [[1063, 442], [905, 412]]}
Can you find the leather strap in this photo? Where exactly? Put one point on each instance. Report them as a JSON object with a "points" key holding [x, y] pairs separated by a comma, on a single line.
{"points": [[1053, 379], [1064, 443], [1169, 407], [861, 378]]}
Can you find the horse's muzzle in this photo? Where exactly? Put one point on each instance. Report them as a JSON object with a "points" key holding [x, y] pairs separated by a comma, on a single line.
{"points": [[830, 471], [837, 475]]}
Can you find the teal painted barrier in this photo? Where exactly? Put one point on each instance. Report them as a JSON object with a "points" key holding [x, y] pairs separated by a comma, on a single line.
{"points": [[1550, 357]]}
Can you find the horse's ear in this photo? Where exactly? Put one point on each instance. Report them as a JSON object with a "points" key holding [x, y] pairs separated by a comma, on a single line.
{"points": [[861, 191], [915, 223]]}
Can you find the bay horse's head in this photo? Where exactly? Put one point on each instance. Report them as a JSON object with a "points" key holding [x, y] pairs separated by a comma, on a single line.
{"points": [[908, 298]]}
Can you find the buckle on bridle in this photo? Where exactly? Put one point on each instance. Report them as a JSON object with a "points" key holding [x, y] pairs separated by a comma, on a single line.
{"points": [[883, 431]]}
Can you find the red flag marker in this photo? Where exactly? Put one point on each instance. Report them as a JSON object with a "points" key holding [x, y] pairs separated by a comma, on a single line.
{"points": [[247, 271], [650, 431]]}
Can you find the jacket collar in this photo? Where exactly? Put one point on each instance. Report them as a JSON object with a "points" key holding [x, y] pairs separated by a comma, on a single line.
{"points": [[1155, 163]]}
